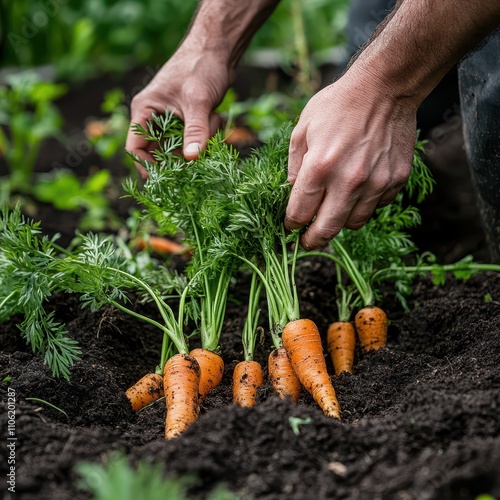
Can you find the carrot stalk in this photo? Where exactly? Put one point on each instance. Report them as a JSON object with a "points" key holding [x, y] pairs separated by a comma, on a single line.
{"points": [[212, 370], [148, 389], [371, 326], [247, 378], [181, 381], [302, 343], [341, 340], [282, 377]]}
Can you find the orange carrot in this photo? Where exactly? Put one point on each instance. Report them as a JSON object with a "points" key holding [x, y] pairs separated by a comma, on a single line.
{"points": [[212, 369], [247, 378], [371, 326], [283, 379], [302, 343], [161, 245], [181, 381], [148, 389], [341, 340]]}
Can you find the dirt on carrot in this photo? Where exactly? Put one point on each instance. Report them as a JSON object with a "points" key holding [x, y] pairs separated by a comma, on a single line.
{"points": [[247, 378], [341, 341], [181, 381], [211, 370], [146, 390], [371, 327], [282, 377], [302, 343]]}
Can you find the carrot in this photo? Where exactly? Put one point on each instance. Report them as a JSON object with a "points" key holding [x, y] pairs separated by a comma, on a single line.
{"points": [[371, 326], [148, 389], [247, 378], [282, 377], [212, 369], [161, 245], [302, 343], [181, 381], [341, 340]]}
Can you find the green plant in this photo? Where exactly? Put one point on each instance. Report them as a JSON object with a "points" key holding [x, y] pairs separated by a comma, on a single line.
{"points": [[109, 134], [65, 191], [28, 117], [34, 268], [117, 480]]}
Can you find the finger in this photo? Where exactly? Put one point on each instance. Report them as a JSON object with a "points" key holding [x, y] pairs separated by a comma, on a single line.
{"points": [[215, 123], [296, 153], [361, 212], [196, 131], [330, 219], [306, 196], [389, 196], [139, 147]]}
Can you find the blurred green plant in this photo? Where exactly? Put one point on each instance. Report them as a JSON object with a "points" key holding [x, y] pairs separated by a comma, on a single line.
{"points": [[117, 480], [84, 38], [27, 117], [65, 191], [108, 135]]}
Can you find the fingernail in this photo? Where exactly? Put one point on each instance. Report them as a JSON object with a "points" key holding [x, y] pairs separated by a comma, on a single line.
{"points": [[192, 149]]}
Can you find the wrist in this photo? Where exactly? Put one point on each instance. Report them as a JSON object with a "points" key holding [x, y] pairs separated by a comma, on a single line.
{"points": [[379, 87]]}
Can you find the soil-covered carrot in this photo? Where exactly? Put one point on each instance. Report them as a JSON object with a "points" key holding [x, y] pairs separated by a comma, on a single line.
{"points": [[212, 370], [148, 389], [371, 326], [181, 381], [302, 343], [282, 377], [341, 340], [247, 378]]}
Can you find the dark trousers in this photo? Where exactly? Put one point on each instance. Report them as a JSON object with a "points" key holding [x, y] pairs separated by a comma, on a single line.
{"points": [[479, 79]]}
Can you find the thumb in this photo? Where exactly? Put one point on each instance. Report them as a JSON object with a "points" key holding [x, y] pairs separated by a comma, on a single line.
{"points": [[196, 133]]}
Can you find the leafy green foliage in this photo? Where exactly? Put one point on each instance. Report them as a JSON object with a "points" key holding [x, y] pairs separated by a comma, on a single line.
{"points": [[27, 111], [34, 268], [117, 480]]}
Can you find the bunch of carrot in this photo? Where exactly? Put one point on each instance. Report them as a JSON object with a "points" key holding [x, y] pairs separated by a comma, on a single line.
{"points": [[231, 214]]}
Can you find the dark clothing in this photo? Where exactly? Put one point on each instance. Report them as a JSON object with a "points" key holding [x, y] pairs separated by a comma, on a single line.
{"points": [[479, 77]]}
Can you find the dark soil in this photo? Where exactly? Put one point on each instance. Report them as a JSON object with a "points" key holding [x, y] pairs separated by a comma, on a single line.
{"points": [[420, 417]]}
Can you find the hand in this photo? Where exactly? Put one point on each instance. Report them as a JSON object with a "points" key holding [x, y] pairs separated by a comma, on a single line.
{"points": [[350, 153], [191, 84]]}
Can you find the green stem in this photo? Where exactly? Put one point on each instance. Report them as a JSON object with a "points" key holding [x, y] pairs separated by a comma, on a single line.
{"points": [[364, 288], [4, 301], [249, 333]]}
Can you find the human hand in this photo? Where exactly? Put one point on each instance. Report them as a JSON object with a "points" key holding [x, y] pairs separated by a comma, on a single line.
{"points": [[191, 84], [350, 153]]}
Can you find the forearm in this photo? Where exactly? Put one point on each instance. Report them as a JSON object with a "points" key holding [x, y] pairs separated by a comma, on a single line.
{"points": [[227, 26], [421, 40]]}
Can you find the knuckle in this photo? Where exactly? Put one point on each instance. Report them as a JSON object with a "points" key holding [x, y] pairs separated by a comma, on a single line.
{"points": [[357, 179], [326, 233], [355, 224], [296, 220]]}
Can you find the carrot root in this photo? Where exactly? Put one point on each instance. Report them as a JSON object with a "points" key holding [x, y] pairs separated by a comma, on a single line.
{"points": [[146, 390], [302, 343], [282, 377], [161, 245], [371, 327], [212, 370], [181, 381], [247, 378], [341, 340]]}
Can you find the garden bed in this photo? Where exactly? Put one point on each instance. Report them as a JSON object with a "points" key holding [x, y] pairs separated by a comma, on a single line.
{"points": [[420, 417]]}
